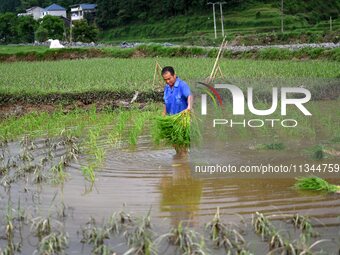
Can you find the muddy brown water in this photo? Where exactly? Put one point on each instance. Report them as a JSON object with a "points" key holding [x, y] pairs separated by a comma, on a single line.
{"points": [[147, 178]]}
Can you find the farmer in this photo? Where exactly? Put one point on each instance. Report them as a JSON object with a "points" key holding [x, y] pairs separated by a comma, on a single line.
{"points": [[177, 97]]}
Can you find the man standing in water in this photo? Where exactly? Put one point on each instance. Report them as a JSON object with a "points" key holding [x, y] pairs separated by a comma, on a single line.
{"points": [[177, 97]]}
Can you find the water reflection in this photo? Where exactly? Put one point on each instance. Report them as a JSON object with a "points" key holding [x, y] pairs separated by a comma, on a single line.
{"points": [[180, 194]]}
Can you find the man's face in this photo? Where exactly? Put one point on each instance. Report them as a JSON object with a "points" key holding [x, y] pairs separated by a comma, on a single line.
{"points": [[169, 79]]}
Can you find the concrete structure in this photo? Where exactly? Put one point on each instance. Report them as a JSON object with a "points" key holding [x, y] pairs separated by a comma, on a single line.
{"points": [[36, 12], [55, 10], [79, 11]]}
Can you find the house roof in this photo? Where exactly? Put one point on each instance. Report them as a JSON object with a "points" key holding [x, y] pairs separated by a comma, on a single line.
{"points": [[88, 6], [33, 8], [55, 7], [85, 6]]}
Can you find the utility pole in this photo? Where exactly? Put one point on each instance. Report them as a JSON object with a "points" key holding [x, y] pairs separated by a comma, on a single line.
{"points": [[281, 16], [71, 29], [213, 4], [221, 3]]}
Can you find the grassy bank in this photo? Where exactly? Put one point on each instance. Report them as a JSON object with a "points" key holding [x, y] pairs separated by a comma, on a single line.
{"points": [[27, 53]]}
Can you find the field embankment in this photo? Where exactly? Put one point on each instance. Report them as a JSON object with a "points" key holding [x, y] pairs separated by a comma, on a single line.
{"points": [[26, 53]]}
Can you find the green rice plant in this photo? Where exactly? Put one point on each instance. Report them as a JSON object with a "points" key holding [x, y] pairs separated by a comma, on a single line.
{"points": [[188, 241], [70, 144], [103, 250], [96, 236], [53, 243], [4, 168], [315, 183], [304, 224], [119, 221], [178, 129], [317, 152], [12, 247], [140, 236], [58, 172], [223, 235], [262, 225], [38, 175], [41, 227], [88, 173], [137, 128]]}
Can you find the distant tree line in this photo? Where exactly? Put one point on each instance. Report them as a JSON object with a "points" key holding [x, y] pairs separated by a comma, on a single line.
{"points": [[115, 13], [24, 29]]}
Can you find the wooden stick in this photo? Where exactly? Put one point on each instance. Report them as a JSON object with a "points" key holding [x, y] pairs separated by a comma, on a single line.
{"points": [[217, 59]]}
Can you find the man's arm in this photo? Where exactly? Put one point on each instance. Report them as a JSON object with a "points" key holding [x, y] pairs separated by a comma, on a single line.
{"points": [[190, 99], [164, 111]]}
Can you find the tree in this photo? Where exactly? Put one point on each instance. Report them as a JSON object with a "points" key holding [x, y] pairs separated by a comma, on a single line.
{"points": [[54, 27], [25, 28], [8, 28], [83, 32]]}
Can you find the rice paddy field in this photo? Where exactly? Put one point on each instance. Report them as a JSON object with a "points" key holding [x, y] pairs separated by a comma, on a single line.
{"points": [[85, 181]]}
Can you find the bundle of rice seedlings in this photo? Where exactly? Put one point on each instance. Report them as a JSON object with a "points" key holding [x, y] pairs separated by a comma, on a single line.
{"points": [[178, 129], [316, 183]]}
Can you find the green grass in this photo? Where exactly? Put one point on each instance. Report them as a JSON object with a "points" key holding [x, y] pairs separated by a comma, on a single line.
{"points": [[129, 75], [6, 49]]}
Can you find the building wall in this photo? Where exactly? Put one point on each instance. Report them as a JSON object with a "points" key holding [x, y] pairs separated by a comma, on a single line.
{"points": [[56, 13], [37, 13]]}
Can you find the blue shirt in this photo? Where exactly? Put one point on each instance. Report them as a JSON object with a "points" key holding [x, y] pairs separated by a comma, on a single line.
{"points": [[176, 98]]}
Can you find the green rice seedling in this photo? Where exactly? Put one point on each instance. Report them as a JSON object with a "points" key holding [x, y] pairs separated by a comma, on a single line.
{"points": [[223, 235], [304, 224], [179, 128], [276, 241], [103, 250], [139, 237], [58, 172], [53, 243], [262, 225], [11, 247], [4, 168], [317, 152], [41, 227], [38, 175], [95, 235], [70, 143], [26, 156], [118, 221], [27, 143], [88, 173], [315, 183], [136, 129], [188, 241]]}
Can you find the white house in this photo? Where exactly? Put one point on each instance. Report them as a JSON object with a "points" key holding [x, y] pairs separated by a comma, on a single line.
{"points": [[78, 11], [54, 10], [36, 12]]}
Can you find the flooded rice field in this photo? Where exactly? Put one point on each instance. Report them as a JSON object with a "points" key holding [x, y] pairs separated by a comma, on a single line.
{"points": [[104, 188], [133, 182]]}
